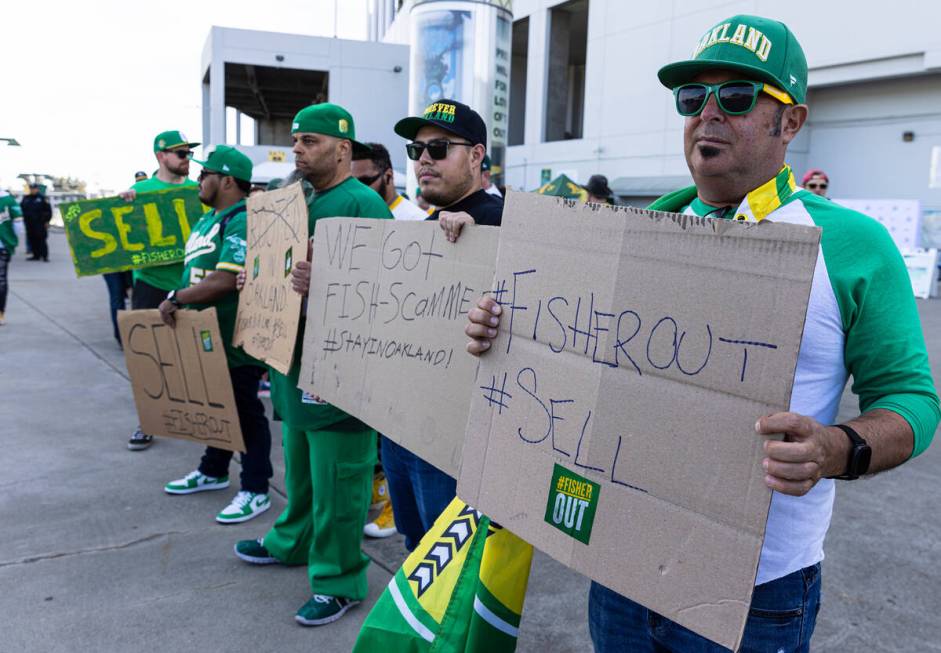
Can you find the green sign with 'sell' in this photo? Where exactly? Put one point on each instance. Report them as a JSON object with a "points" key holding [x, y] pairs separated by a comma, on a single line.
{"points": [[572, 503], [111, 235]]}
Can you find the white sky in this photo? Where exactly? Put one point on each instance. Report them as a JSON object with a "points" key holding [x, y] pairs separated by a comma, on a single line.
{"points": [[87, 85]]}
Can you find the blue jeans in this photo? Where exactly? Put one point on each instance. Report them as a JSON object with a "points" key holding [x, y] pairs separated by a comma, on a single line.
{"points": [[781, 620], [418, 490]]}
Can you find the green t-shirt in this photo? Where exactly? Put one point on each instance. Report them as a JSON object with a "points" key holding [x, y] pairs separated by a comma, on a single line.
{"points": [[348, 199], [211, 247], [9, 209], [166, 277]]}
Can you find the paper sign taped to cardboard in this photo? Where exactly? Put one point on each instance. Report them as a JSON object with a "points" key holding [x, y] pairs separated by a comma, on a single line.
{"points": [[385, 339], [269, 310], [111, 235], [612, 425], [180, 377]]}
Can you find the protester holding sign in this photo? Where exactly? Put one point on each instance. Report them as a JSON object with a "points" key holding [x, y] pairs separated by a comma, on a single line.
{"points": [[329, 456], [448, 146], [215, 254], [9, 209], [151, 285], [742, 96]]}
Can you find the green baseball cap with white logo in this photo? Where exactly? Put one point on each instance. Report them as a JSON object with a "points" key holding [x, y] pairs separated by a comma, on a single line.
{"points": [[330, 120], [171, 140], [760, 48], [228, 161]]}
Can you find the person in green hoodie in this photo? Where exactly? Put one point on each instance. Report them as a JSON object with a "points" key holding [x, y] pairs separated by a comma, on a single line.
{"points": [[742, 96], [9, 209], [328, 455], [151, 285]]}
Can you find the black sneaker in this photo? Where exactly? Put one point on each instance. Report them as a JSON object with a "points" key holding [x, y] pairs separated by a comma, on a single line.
{"points": [[139, 441]]}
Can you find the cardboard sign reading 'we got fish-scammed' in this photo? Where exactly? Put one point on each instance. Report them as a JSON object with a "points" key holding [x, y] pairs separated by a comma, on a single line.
{"points": [[612, 422]]}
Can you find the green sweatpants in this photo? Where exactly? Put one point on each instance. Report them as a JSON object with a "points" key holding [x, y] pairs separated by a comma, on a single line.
{"points": [[328, 476]]}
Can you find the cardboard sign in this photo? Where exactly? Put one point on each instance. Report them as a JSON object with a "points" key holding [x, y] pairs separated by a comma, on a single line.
{"points": [[269, 310], [613, 422], [180, 377], [111, 235], [385, 328]]}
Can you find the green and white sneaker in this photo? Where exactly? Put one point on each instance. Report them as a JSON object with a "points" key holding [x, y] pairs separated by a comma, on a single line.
{"points": [[323, 609], [254, 552], [196, 482], [245, 506]]}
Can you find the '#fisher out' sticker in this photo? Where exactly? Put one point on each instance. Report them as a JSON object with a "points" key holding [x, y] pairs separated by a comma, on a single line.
{"points": [[572, 502]]}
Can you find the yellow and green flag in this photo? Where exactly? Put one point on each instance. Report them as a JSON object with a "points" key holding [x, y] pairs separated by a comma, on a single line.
{"points": [[460, 591]]}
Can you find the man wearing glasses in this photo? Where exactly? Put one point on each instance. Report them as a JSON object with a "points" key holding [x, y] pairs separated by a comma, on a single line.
{"points": [[742, 97], [215, 254], [374, 169], [152, 284], [816, 181], [448, 145]]}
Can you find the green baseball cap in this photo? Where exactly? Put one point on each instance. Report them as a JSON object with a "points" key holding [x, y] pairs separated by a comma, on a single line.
{"points": [[330, 120], [171, 140], [760, 48], [228, 161]]}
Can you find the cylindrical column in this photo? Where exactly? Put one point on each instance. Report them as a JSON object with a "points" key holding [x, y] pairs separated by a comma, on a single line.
{"points": [[460, 49]]}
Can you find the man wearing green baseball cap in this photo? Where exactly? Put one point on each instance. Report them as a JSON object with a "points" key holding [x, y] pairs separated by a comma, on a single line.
{"points": [[742, 97], [329, 455], [151, 285], [215, 254]]}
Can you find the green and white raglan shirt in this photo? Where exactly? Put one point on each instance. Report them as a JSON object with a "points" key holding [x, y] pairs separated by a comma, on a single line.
{"points": [[210, 248], [861, 322], [9, 209]]}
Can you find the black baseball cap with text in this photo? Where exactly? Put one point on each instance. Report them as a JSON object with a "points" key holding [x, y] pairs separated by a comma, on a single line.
{"points": [[451, 115]]}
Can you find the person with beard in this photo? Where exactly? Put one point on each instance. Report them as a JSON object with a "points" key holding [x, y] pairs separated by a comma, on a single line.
{"points": [[329, 456], [742, 97], [374, 168], [448, 144], [151, 285], [215, 254]]}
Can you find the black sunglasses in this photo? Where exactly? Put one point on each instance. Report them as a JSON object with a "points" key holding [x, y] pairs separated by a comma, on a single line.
{"points": [[816, 186], [735, 98], [183, 154], [208, 173], [437, 149], [369, 181]]}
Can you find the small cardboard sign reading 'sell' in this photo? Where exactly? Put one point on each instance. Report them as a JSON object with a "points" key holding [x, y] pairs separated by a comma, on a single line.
{"points": [[180, 377], [269, 310], [385, 339], [612, 424]]}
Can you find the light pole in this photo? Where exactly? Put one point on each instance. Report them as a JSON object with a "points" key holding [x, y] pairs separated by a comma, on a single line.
{"points": [[12, 142]]}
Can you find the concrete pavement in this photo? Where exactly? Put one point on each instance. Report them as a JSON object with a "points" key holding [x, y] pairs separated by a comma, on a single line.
{"points": [[94, 556]]}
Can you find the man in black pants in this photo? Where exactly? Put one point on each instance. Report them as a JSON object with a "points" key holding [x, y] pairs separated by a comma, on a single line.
{"points": [[36, 215], [215, 254]]}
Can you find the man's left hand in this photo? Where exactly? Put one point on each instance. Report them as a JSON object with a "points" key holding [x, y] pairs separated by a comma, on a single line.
{"points": [[300, 278], [452, 223], [810, 451], [167, 309]]}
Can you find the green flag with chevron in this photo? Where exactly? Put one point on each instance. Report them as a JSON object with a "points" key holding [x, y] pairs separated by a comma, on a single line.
{"points": [[460, 591]]}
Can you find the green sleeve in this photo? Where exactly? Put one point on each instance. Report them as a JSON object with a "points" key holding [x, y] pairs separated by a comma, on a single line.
{"points": [[885, 348], [232, 253]]}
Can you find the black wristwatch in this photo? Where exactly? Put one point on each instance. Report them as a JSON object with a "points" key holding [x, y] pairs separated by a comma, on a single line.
{"points": [[171, 297], [859, 458]]}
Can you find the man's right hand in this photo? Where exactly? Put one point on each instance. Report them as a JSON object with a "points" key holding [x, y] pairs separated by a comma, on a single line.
{"points": [[240, 280], [482, 324], [129, 195]]}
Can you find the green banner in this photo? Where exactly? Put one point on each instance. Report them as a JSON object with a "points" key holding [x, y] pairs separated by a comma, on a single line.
{"points": [[111, 235]]}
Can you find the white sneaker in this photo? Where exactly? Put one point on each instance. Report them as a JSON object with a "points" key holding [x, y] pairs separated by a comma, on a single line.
{"points": [[245, 506], [196, 482]]}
